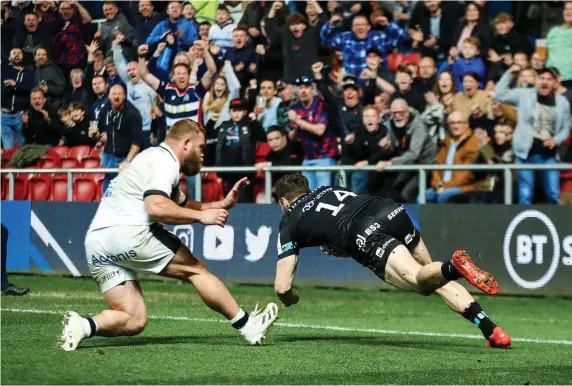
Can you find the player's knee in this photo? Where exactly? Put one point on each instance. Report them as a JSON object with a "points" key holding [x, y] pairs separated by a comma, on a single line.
{"points": [[137, 324]]}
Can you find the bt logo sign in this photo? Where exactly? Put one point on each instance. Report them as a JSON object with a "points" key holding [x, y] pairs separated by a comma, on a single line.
{"points": [[532, 249]]}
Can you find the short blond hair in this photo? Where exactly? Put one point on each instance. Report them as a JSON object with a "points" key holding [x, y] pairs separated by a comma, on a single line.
{"points": [[183, 128]]}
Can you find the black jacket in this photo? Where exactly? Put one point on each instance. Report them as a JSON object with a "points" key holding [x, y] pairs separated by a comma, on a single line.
{"points": [[78, 135], [53, 77], [41, 132], [482, 31], [512, 42], [366, 146], [123, 128], [17, 98], [81, 95], [248, 133]]}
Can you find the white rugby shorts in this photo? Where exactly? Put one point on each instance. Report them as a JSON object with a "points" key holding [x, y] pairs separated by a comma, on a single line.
{"points": [[115, 254]]}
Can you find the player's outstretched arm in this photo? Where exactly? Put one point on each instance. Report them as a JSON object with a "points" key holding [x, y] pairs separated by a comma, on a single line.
{"points": [[228, 202], [165, 210], [285, 272]]}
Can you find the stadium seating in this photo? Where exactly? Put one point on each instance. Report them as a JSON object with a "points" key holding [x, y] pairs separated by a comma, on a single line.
{"points": [[69, 162], [39, 188], [49, 161], [90, 162], [21, 182], [79, 152], [59, 151], [59, 189], [84, 189]]}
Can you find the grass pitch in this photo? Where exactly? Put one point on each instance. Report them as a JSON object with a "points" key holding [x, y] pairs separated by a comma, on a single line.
{"points": [[331, 337]]}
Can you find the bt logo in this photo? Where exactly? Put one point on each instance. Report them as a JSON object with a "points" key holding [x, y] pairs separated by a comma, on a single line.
{"points": [[531, 249]]}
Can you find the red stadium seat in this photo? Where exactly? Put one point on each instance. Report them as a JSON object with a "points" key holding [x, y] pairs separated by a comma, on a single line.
{"points": [[69, 162], [59, 151], [49, 162], [97, 178], [84, 189], [21, 182], [212, 188], [95, 152], [394, 61], [59, 191], [413, 58], [9, 153], [39, 188], [566, 181], [90, 162], [79, 152]]}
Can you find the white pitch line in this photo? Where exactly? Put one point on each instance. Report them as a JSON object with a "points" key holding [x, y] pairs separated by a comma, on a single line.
{"points": [[316, 327]]}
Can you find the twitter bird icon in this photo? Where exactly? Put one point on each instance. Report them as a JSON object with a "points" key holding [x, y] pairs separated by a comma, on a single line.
{"points": [[257, 244]]}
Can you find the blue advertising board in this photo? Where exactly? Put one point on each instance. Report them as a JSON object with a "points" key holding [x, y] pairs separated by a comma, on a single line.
{"points": [[49, 236]]}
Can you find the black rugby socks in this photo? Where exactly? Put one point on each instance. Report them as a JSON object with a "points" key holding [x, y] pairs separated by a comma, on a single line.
{"points": [[474, 313], [449, 272], [240, 319]]}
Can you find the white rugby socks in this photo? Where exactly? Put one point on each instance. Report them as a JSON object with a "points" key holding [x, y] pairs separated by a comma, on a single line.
{"points": [[239, 320], [89, 327]]}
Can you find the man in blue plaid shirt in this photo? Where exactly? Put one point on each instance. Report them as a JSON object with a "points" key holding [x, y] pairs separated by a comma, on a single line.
{"points": [[355, 43]]}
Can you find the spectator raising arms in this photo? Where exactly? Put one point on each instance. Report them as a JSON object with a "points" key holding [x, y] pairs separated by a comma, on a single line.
{"points": [[217, 100], [182, 99], [354, 44]]}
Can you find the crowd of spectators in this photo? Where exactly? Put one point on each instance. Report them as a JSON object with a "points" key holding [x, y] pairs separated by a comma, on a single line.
{"points": [[314, 83]]}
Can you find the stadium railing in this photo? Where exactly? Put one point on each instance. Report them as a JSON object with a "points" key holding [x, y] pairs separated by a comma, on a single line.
{"points": [[342, 169]]}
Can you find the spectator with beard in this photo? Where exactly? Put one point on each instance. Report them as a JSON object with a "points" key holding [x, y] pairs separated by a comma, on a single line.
{"points": [[42, 130], [543, 125], [283, 152], [49, 78], [80, 93], [99, 88], [411, 145], [17, 81], [120, 126], [139, 93]]}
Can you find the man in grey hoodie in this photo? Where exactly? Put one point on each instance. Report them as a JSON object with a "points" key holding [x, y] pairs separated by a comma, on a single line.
{"points": [[49, 78], [409, 139], [139, 93]]}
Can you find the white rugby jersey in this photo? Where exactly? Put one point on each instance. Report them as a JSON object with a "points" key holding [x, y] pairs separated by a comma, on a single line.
{"points": [[153, 171]]}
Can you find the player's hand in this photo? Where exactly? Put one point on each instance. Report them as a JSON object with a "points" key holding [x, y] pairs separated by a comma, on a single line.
{"points": [[213, 217], [232, 197]]}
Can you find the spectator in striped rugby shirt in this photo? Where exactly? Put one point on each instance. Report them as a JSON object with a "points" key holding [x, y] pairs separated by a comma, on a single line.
{"points": [[181, 97]]}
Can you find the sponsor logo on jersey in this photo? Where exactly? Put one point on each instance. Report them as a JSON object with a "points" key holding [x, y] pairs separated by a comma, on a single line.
{"points": [[108, 276], [394, 213], [381, 250], [409, 237], [360, 242], [370, 229], [102, 260]]}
